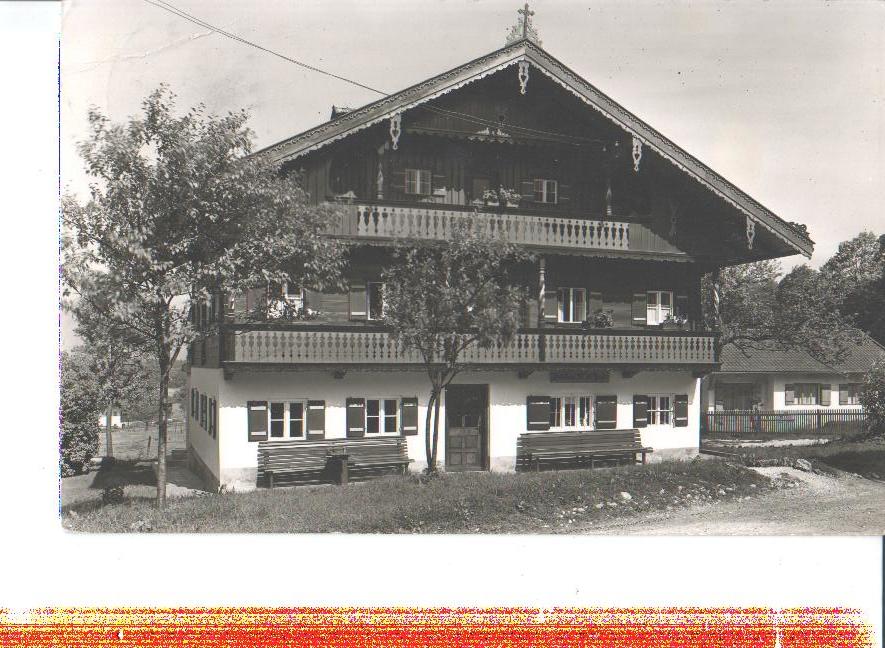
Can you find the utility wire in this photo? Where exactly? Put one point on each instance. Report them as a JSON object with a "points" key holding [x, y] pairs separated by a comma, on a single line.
{"points": [[169, 7]]}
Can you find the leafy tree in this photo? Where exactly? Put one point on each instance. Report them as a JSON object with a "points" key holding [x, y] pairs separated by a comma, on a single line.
{"points": [[872, 397], [80, 409], [856, 274], [439, 299], [798, 310], [180, 211]]}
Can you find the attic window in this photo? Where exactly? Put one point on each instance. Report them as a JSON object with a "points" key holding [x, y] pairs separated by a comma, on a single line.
{"points": [[418, 181], [546, 190]]}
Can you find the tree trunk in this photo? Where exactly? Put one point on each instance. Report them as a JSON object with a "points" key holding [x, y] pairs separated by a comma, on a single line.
{"points": [[428, 433], [109, 442], [436, 426], [162, 425]]}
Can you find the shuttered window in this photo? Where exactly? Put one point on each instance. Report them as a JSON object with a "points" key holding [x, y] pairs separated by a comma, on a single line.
{"points": [[257, 420], [640, 411], [355, 418], [204, 405], [409, 416], [194, 400], [570, 412], [382, 416], [680, 410], [640, 311], [606, 412], [357, 298], [375, 300], [803, 394], [537, 410], [316, 419]]}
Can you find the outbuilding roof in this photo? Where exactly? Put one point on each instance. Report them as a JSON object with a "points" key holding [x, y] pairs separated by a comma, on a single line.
{"points": [[774, 358]]}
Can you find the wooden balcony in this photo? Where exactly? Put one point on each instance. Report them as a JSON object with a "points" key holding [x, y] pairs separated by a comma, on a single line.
{"points": [[342, 347], [435, 222]]}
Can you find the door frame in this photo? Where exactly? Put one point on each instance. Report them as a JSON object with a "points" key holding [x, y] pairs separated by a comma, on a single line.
{"points": [[483, 388]]}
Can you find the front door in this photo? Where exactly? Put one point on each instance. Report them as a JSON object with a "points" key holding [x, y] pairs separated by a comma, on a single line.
{"points": [[466, 427]]}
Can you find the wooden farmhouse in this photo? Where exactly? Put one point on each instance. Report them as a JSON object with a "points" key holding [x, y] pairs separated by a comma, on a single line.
{"points": [[623, 224]]}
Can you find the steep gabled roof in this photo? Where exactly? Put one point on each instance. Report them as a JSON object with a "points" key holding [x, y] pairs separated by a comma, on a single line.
{"points": [[774, 358], [541, 61]]}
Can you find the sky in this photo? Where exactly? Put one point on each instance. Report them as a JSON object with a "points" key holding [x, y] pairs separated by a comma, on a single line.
{"points": [[784, 98]]}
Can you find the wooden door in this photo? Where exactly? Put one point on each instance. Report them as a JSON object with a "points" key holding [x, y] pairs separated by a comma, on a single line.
{"points": [[466, 425]]}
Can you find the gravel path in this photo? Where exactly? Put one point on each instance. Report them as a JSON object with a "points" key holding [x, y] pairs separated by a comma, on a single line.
{"points": [[816, 505]]}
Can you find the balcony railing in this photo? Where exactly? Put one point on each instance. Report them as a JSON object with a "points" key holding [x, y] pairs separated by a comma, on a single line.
{"points": [[435, 223], [378, 347]]}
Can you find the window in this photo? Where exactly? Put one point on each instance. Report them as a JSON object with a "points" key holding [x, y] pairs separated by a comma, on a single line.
{"points": [[849, 394], [659, 306], [570, 412], [296, 419], [660, 410], [382, 416], [294, 295], [572, 305], [286, 419], [375, 300], [204, 405], [418, 181], [546, 190], [806, 393]]}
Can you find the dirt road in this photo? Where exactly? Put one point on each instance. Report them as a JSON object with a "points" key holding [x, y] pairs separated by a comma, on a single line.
{"points": [[817, 505]]}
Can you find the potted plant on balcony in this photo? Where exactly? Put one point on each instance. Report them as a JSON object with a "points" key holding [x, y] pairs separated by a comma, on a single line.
{"points": [[674, 322], [490, 198], [600, 320], [509, 197]]}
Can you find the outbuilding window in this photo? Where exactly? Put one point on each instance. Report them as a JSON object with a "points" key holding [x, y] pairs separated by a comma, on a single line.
{"points": [[382, 416]]}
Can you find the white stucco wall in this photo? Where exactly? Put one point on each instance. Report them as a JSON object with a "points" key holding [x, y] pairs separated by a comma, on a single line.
{"points": [[771, 388], [236, 458], [208, 382]]}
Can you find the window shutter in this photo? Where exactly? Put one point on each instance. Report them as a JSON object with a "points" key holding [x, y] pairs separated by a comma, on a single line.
{"points": [[209, 417], [356, 418], [409, 416], [843, 394], [564, 193], [640, 411], [639, 309], [204, 406], [825, 395], [257, 420], [358, 300], [789, 394], [316, 419], [193, 402], [527, 189], [551, 306], [680, 410], [606, 412], [214, 419], [595, 303], [398, 180], [537, 413], [438, 181]]}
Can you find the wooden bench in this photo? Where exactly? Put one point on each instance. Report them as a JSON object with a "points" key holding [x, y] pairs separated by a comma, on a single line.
{"points": [[579, 449], [330, 460]]}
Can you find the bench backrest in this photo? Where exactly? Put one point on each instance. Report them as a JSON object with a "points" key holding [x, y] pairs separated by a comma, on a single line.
{"points": [[293, 453], [591, 440]]}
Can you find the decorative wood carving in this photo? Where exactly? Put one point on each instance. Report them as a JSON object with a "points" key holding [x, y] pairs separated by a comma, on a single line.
{"points": [[637, 153], [751, 232], [542, 288], [523, 76], [395, 129]]}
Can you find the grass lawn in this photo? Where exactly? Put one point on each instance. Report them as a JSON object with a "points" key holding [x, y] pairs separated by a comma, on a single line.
{"points": [[864, 457], [452, 503]]}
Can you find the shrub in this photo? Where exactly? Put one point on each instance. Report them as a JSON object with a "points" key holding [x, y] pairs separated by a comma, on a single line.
{"points": [[872, 397], [79, 443], [601, 319], [79, 414]]}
